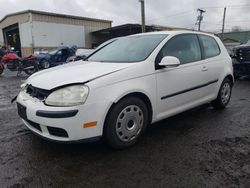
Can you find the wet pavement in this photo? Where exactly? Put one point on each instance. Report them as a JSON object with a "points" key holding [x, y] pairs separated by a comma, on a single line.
{"points": [[199, 148]]}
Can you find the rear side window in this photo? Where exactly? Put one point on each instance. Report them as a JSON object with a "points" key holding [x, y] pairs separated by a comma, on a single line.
{"points": [[210, 46], [185, 47]]}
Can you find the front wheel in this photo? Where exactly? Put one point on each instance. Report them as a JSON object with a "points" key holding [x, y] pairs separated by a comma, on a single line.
{"points": [[224, 95], [125, 123], [45, 64]]}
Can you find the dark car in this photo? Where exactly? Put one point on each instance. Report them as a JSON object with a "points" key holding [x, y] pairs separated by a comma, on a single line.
{"points": [[55, 57], [241, 60]]}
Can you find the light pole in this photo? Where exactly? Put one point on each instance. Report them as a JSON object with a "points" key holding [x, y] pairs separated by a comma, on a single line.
{"points": [[223, 24], [142, 15]]}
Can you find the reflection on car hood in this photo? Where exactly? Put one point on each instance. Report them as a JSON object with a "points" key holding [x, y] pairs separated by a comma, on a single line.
{"points": [[77, 72]]}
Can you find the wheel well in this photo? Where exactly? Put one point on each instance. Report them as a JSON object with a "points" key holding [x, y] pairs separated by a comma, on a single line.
{"points": [[141, 96], [230, 77]]}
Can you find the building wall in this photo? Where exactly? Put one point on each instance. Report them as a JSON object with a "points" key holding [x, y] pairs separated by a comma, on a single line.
{"points": [[25, 34], [21, 18], [55, 34], [89, 25], [52, 30], [1, 38]]}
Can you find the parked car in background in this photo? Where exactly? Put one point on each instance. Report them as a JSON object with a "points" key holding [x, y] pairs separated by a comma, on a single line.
{"points": [[241, 63], [84, 52], [80, 54], [55, 57], [40, 51], [230, 47], [126, 85]]}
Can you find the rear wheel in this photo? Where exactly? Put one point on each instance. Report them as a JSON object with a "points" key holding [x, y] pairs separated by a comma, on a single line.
{"points": [[31, 69], [224, 94], [126, 122], [1, 68]]}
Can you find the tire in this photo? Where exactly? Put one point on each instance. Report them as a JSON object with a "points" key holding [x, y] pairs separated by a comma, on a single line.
{"points": [[1, 69], [125, 123], [70, 59], [32, 71], [45, 64], [224, 95]]}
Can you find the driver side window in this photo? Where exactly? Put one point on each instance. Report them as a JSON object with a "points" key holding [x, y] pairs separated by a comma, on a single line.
{"points": [[58, 56], [185, 47]]}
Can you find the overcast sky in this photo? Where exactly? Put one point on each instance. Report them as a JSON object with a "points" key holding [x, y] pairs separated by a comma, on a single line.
{"points": [[178, 13]]}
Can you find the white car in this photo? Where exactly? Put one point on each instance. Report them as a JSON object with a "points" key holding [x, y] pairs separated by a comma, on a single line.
{"points": [[130, 83]]}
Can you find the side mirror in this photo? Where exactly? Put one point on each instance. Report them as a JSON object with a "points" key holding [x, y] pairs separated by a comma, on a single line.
{"points": [[169, 61]]}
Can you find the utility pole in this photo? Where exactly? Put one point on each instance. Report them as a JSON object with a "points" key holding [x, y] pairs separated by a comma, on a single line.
{"points": [[200, 18], [142, 15], [223, 24]]}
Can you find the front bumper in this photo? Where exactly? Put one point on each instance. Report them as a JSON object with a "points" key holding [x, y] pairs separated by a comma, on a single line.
{"points": [[63, 124]]}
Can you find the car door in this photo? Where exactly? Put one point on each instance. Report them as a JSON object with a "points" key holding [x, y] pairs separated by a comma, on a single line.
{"points": [[181, 87], [214, 62]]}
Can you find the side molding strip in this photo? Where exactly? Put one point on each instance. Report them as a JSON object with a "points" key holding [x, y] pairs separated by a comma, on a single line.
{"points": [[190, 89]]}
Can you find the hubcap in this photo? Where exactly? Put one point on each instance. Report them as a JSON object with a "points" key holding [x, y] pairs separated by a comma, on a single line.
{"points": [[129, 123], [225, 93], [45, 64]]}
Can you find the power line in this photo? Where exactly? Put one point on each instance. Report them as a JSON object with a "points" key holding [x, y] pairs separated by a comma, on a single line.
{"points": [[228, 6], [200, 17], [192, 11], [173, 15]]}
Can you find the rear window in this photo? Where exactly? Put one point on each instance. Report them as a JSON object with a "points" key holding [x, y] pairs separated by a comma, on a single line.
{"points": [[211, 48]]}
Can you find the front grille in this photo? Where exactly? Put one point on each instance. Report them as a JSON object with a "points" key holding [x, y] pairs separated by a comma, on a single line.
{"points": [[57, 132], [243, 54], [37, 92], [34, 125]]}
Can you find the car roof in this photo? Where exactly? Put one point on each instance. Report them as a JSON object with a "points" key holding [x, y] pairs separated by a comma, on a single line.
{"points": [[175, 32], [62, 47]]}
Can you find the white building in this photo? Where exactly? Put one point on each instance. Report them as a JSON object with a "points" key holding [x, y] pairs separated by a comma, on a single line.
{"points": [[29, 30]]}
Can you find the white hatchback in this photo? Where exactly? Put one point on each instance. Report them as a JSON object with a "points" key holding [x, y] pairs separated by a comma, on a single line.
{"points": [[126, 85]]}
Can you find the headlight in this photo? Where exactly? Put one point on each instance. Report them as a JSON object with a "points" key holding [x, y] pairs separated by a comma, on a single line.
{"points": [[23, 87], [68, 96]]}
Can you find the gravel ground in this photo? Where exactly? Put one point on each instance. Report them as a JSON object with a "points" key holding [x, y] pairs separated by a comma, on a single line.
{"points": [[199, 148]]}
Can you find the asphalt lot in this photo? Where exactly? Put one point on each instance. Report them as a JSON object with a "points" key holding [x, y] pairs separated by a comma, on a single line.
{"points": [[199, 148]]}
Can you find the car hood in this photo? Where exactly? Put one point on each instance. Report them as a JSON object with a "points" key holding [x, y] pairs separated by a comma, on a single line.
{"points": [[243, 46], [77, 72]]}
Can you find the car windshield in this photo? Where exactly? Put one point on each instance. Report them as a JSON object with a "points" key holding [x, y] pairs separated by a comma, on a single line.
{"points": [[248, 42], [106, 43], [128, 49], [53, 51]]}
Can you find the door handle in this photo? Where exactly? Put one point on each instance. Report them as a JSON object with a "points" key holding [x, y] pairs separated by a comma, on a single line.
{"points": [[204, 68]]}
